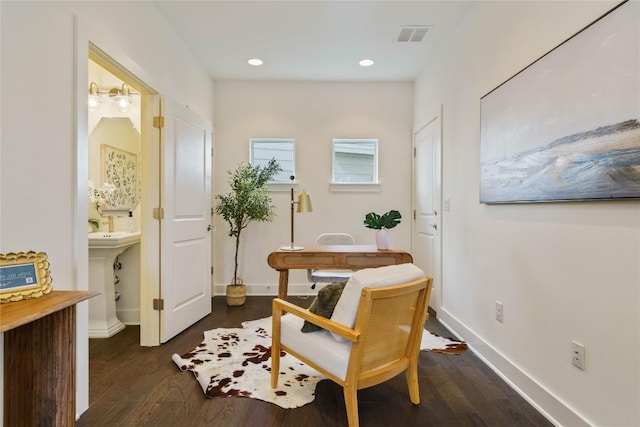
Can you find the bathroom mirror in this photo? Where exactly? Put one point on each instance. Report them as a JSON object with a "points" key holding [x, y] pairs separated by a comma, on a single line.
{"points": [[114, 145]]}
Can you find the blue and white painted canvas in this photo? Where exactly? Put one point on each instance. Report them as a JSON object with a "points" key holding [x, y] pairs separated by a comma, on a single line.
{"points": [[567, 127]]}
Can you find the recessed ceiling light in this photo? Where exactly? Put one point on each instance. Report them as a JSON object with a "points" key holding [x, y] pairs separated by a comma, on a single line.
{"points": [[255, 61], [366, 62]]}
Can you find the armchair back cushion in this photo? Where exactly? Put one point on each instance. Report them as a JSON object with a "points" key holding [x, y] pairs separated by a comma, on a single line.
{"points": [[347, 308]]}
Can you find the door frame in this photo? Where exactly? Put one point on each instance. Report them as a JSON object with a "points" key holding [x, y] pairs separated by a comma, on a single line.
{"points": [[438, 301], [150, 173]]}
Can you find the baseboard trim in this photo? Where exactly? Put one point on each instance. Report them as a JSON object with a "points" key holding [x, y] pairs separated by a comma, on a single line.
{"points": [[129, 316], [549, 405], [269, 290]]}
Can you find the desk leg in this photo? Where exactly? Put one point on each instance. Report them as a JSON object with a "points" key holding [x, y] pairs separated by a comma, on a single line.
{"points": [[283, 284]]}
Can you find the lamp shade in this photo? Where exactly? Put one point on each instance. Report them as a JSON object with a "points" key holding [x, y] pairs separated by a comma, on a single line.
{"points": [[304, 202]]}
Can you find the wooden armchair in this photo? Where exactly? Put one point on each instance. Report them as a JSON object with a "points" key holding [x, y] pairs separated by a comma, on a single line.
{"points": [[365, 342]]}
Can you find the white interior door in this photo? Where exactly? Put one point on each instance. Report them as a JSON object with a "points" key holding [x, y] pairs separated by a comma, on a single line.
{"points": [[185, 255], [426, 235]]}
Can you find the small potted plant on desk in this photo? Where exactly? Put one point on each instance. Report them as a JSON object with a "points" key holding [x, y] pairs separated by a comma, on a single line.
{"points": [[248, 201], [382, 223]]}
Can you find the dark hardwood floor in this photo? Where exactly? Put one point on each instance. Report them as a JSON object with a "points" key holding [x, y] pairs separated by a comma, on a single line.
{"points": [[131, 385]]}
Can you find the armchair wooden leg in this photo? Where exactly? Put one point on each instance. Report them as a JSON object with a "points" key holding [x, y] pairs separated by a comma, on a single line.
{"points": [[412, 383], [351, 402], [275, 365], [275, 349]]}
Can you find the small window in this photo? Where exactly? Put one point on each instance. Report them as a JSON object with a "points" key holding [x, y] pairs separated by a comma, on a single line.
{"points": [[282, 149], [355, 161]]}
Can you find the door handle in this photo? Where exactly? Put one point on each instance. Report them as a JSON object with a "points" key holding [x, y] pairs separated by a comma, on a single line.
{"points": [[435, 226], [209, 227]]}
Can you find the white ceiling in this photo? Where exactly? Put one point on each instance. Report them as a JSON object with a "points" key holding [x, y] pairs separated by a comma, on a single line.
{"points": [[311, 40]]}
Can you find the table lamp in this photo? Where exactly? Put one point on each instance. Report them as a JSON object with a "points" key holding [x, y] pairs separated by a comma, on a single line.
{"points": [[304, 205]]}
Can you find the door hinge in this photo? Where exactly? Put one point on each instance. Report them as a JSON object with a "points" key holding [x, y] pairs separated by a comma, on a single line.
{"points": [[158, 304], [414, 214], [414, 151], [158, 213], [158, 122], [212, 211], [212, 270]]}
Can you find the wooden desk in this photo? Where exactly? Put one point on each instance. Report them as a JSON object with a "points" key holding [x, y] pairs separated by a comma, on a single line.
{"points": [[332, 257], [40, 359]]}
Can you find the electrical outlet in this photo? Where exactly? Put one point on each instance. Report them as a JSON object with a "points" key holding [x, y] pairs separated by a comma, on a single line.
{"points": [[499, 312], [577, 355]]}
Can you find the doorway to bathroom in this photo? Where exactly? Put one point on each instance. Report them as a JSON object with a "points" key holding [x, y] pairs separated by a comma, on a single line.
{"points": [[115, 189], [114, 201], [171, 206]]}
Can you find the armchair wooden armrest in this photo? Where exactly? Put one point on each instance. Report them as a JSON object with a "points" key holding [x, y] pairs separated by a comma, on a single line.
{"points": [[281, 306]]}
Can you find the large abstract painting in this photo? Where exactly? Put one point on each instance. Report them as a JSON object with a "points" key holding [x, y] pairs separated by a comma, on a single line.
{"points": [[567, 127]]}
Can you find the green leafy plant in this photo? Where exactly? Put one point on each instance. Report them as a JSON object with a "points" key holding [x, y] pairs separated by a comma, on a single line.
{"points": [[378, 222], [95, 224], [248, 201]]}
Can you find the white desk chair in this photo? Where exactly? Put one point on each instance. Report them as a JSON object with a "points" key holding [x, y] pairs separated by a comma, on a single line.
{"points": [[331, 276]]}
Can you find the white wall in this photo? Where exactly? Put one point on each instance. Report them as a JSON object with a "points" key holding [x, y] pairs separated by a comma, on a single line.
{"points": [[564, 271], [313, 113], [43, 164]]}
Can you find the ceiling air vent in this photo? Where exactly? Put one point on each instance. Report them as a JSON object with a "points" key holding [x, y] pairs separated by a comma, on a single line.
{"points": [[412, 33]]}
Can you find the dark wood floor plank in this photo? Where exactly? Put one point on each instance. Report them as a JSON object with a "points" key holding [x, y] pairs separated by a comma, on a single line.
{"points": [[131, 385]]}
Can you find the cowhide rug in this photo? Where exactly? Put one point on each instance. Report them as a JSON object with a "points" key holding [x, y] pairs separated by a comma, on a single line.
{"points": [[236, 362]]}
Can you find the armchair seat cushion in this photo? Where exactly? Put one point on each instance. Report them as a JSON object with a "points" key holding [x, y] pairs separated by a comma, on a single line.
{"points": [[330, 354]]}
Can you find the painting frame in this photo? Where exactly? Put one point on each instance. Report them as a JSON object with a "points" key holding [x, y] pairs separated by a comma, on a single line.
{"points": [[120, 169], [24, 275], [564, 128]]}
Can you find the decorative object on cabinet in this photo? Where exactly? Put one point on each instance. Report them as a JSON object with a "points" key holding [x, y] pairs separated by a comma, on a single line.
{"points": [[24, 275]]}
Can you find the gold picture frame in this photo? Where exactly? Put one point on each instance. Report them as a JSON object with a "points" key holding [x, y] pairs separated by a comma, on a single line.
{"points": [[24, 275]]}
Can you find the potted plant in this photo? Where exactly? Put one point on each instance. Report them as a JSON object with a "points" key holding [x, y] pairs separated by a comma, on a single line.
{"points": [[248, 201], [382, 223], [97, 199]]}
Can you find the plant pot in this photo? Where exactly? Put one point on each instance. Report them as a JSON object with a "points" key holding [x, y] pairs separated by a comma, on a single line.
{"points": [[382, 239], [236, 295]]}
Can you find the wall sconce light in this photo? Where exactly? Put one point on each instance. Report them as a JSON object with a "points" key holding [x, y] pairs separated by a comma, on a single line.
{"points": [[94, 96], [304, 205], [121, 97]]}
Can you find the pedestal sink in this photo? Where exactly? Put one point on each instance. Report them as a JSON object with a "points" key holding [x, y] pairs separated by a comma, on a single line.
{"points": [[104, 247]]}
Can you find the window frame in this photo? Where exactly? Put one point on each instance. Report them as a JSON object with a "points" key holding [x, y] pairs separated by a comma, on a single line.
{"points": [[292, 141], [376, 178]]}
